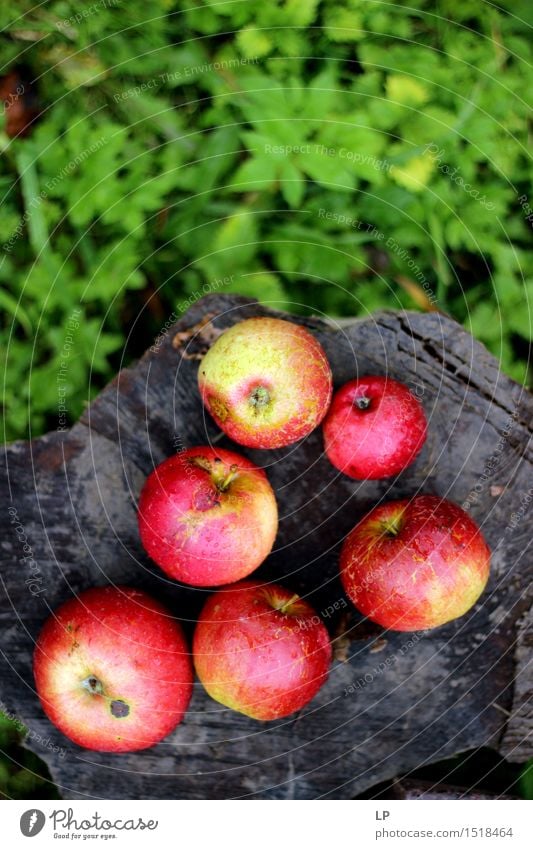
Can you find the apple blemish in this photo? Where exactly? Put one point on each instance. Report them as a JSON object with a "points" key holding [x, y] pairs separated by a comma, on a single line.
{"points": [[119, 709]]}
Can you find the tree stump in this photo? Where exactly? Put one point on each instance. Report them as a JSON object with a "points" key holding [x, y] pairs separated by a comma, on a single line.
{"points": [[394, 701]]}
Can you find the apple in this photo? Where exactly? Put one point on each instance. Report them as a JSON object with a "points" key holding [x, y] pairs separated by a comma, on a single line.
{"points": [[375, 428], [207, 516], [261, 650], [415, 564], [112, 670], [266, 382]]}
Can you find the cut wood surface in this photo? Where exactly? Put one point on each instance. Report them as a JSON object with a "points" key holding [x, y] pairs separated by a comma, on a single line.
{"points": [[394, 701]]}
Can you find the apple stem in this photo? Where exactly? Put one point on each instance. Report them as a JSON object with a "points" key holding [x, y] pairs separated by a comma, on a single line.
{"points": [[223, 484], [92, 685], [393, 527], [362, 403], [288, 603]]}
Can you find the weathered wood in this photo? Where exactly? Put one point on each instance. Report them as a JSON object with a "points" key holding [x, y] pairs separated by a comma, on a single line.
{"points": [[393, 701], [517, 743], [420, 790]]}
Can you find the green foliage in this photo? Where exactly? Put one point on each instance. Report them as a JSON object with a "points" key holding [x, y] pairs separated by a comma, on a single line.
{"points": [[330, 156], [22, 774], [526, 781]]}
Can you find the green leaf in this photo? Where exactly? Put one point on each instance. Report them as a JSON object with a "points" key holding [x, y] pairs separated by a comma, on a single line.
{"points": [[403, 89], [253, 43], [526, 781], [263, 285], [415, 174], [343, 24], [15, 309], [326, 170], [258, 172], [322, 95], [33, 199], [11, 730], [300, 13], [233, 246], [292, 184]]}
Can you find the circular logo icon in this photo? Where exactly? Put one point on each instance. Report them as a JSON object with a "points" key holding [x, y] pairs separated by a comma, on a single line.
{"points": [[32, 822]]}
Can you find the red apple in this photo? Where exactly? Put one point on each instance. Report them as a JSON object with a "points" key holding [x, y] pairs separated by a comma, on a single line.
{"points": [[410, 565], [112, 670], [208, 517], [266, 382], [374, 429], [261, 650]]}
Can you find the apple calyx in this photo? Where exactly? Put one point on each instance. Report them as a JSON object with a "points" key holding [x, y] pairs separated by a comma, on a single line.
{"points": [[259, 398], [362, 402], [93, 685]]}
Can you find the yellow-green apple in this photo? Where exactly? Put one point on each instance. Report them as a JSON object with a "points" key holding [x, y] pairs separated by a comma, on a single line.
{"points": [[207, 516], [415, 564], [375, 428], [112, 670], [261, 650], [266, 382]]}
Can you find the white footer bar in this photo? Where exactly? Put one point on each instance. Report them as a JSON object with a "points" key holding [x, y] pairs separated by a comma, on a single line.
{"points": [[269, 824]]}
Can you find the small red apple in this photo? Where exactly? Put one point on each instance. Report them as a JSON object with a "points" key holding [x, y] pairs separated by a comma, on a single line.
{"points": [[266, 382], [411, 565], [112, 670], [208, 517], [374, 429], [261, 650]]}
